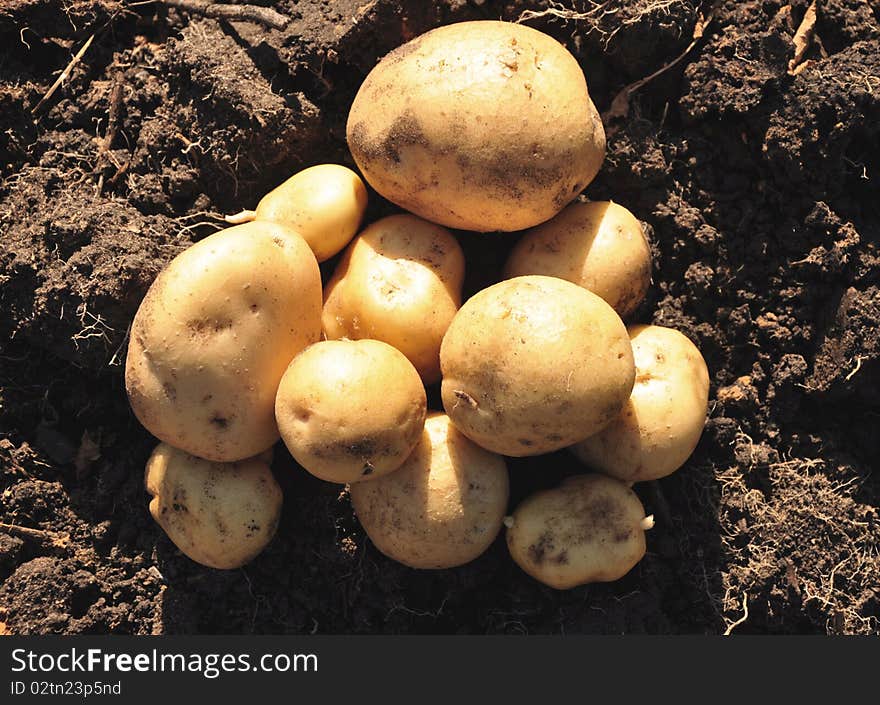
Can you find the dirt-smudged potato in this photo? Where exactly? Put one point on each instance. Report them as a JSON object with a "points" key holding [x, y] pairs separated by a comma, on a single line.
{"points": [[350, 410], [598, 245], [535, 364], [589, 529], [443, 507], [324, 203], [399, 282], [219, 514], [215, 333], [480, 125], [662, 422]]}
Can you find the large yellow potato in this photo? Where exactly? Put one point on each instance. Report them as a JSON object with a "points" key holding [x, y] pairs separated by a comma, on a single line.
{"points": [[535, 364], [219, 514], [324, 203], [399, 282], [215, 333], [443, 507], [663, 420], [480, 125], [599, 245], [350, 410], [589, 529]]}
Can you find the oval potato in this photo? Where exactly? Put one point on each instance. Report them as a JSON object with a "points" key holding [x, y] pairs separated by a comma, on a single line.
{"points": [[399, 282], [663, 420], [350, 410], [219, 514], [443, 507], [535, 364], [324, 203], [589, 529], [214, 334], [482, 125], [598, 245]]}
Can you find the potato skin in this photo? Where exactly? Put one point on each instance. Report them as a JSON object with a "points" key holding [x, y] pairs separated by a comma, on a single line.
{"points": [[598, 245], [443, 507], [534, 364], [482, 125], [219, 514], [213, 337], [324, 203], [663, 420], [350, 410], [399, 282], [589, 529]]}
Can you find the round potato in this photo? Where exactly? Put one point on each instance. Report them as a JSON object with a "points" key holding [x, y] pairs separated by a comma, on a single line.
{"points": [[219, 514], [481, 125], [598, 245], [350, 410], [214, 334], [663, 420], [589, 529], [399, 282], [535, 364], [324, 203], [442, 508]]}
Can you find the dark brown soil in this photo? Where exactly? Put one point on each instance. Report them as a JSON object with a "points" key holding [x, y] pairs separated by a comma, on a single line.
{"points": [[761, 190]]}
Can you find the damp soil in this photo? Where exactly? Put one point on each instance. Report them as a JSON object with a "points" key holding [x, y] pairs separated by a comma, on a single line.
{"points": [[759, 190]]}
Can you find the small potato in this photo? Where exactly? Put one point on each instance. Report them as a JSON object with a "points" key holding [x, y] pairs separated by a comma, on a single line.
{"points": [[399, 282], [324, 203], [598, 245], [219, 514], [442, 508], [663, 420], [589, 529], [215, 333], [535, 364], [482, 125], [350, 410]]}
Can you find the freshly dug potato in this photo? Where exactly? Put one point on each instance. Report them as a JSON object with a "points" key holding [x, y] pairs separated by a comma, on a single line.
{"points": [[219, 514], [443, 507], [350, 410], [589, 529], [534, 364], [481, 125], [324, 203], [599, 245], [215, 333], [399, 282], [663, 420]]}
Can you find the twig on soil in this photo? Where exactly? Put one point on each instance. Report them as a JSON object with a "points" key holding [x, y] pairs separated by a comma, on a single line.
{"points": [[44, 538], [620, 105], [64, 74], [734, 625], [856, 369], [802, 40], [241, 13], [112, 126]]}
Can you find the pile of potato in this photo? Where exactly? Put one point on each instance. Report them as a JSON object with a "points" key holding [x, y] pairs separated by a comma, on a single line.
{"points": [[478, 126]]}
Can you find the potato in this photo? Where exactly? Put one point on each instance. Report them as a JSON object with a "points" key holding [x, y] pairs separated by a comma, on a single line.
{"points": [[663, 420], [399, 282], [215, 333], [324, 203], [443, 507], [534, 364], [598, 245], [589, 529], [481, 125], [219, 514], [350, 410]]}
